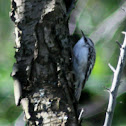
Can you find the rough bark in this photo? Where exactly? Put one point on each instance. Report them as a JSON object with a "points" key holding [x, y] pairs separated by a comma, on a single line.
{"points": [[42, 73]]}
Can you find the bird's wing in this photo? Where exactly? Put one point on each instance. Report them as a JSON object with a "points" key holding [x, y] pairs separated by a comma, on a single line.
{"points": [[90, 64]]}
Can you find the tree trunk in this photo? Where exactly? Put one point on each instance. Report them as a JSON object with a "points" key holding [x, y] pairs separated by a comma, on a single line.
{"points": [[43, 78]]}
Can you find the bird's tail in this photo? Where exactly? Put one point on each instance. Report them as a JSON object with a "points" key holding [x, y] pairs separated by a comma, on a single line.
{"points": [[78, 91]]}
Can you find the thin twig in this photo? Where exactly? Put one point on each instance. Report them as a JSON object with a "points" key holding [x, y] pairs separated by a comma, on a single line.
{"points": [[119, 44], [82, 110], [107, 89], [124, 9], [111, 67], [115, 84]]}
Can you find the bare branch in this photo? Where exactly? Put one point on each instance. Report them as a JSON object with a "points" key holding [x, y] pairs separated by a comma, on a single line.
{"points": [[119, 44], [82, 110], [100, 103], [124, 9], [107, 89], [111, 67], [115, 84]]}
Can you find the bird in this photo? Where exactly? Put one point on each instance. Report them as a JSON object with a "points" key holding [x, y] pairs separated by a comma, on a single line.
{"points": [[83, 59]]}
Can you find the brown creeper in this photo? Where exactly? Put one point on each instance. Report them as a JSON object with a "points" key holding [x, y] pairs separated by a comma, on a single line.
{"points": [[83, 62]]}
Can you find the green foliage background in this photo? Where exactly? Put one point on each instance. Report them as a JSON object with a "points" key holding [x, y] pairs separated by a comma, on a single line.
{"points": [[8, 111], [91, 16]]}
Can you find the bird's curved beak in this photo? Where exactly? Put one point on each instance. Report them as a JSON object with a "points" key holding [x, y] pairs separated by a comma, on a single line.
{"points": [[85, 39]]}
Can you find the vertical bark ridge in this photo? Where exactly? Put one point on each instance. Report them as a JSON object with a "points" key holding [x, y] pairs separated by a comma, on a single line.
{"points": [[43, 62]]}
